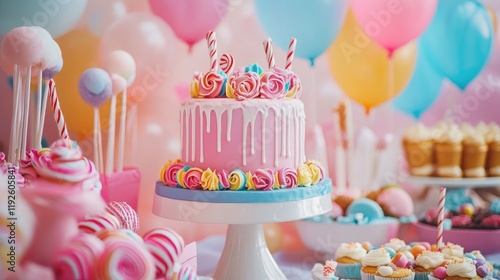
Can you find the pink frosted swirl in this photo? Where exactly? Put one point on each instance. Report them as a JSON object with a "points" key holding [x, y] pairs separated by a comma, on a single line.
{"points": [[26, 167], [272, 85], [192, 178], [9, 169], [223, 179], [171, 174], [287, 178], [263, 179], [460, 221], [294, 81], [211, 84], [2, 158], [246, 85]]}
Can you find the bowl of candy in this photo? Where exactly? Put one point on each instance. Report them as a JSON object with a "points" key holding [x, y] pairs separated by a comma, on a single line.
{"points": [[375, 218], [472, 227]]}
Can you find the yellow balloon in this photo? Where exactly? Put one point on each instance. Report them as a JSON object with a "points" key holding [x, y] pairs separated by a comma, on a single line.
{"points": [[79, 50], [364, 70], [494, 19]]}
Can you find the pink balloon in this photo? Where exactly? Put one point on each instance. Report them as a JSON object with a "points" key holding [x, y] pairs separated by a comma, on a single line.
{"points": [[182, 91], [393, 23], [190, 19], [152, 45]]}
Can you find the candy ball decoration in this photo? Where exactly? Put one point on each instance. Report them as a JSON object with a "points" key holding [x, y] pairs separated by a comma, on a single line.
{"points": [[125, 213], [22, 46], [467, 209], [125, 259], [121, 63], [95, 86], [51, 53], [118, 84], [96, 224], [165, 246]]}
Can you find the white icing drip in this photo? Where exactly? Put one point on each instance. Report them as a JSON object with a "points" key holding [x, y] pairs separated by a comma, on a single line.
{"points": [[289, 134], [252, 136], [193, 123], [208, 112], [296, 134], [202, 159], [302, 136], [263, 144], [283, 133], [183, 138], [229, 121], [276, 150], [218, 116]]}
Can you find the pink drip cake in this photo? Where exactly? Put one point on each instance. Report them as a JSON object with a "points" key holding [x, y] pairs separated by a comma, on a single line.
{"points": [[243, 130]]}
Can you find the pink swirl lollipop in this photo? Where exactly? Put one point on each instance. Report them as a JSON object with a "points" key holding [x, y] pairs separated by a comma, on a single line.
{"points": [[211, 84], [96, 224], [79, 258], [108, 235], [125, 214], [227, 63], [125, 259], [165, 245]]}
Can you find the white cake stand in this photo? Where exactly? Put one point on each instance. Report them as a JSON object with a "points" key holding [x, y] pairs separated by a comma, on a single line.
{"points": [[245, 255], [456, 183]]}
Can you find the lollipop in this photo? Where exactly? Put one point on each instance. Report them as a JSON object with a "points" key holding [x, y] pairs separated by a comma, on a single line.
{"points": [[125, 259], [95, 89], [109, 234], [125, 213], [78, 259], [121, 66], [165, 245], [96, 224]]}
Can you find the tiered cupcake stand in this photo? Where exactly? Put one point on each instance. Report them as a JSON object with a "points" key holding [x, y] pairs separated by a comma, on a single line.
{"points": [[245, 255]]}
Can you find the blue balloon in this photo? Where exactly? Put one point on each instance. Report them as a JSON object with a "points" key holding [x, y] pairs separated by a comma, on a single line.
{"points": [[423, 88], [315, 24], [459, 40]]}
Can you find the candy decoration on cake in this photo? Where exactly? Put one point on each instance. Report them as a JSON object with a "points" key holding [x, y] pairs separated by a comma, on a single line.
{"points": [[126, 215], [166, 246], [96, 224], [290, 54], [124, 258], [121, 66], [212, 47], [56, 108], [227, 63], [442, 198], [95, 88], [268, 48]]}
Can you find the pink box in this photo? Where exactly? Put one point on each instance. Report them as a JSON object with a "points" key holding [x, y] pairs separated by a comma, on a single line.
{"points": [[122, 186]]}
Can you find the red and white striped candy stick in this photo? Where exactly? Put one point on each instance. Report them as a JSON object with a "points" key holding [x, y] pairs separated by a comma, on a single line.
{"points": [[268, 48], [227, 63], [212, 48], [291, 53], [442, 198], [56, 108]]}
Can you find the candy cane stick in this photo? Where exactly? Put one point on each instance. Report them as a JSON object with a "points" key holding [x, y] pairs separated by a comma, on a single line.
{"points": [[291, 53], [56, 108], [212, 47], [227, 63], [268, 48], [442, 198]]}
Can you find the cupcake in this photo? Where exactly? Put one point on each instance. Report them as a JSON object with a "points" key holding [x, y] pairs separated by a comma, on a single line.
{"points": [[324, 272], [418, 146], [389, 272], [448, 146], [493, 157], [395, 243], [474, 155], [452, 251], [371, 262], [426, 263], [465, 269], [348, 257]]}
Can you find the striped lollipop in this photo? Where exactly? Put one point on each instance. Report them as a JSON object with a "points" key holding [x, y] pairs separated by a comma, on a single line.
{"points": [[123, 258], [227, 63], [125, 213], [165, 245], [108, 235], [99, 223]]}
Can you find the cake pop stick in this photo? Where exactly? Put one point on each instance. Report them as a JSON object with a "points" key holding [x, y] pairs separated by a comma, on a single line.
{"points": [[212, 47], [38, 113], [110, 152], [291, 53], [268, 48], [14, 128], [26, 110]]}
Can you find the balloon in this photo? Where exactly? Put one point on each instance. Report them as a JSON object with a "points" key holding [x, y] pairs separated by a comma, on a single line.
{"points": [[273, 236], [190, 19], [152, 45], [392, 24], [422, 90], [459, 40], [95, 86], [494, 19], [121, 63], [315, 24], [79, 50], [56, 16], [361, 67], [102, 14]]}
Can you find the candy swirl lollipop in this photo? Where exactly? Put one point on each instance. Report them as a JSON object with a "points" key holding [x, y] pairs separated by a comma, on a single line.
{"points": [[165, 245], [95, 89], [79, 258], [96, 224]]}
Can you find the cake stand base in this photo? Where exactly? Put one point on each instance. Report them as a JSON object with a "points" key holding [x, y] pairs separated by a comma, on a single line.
{"points": [[246, 256]]}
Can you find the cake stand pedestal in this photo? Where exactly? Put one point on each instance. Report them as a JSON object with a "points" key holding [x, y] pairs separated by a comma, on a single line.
{"points": [[245, 255]]}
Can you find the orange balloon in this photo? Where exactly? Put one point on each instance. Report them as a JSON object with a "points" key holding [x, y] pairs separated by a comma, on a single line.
{"points": [[494, 19], [364, 70], [79, 51], [273, 236]]}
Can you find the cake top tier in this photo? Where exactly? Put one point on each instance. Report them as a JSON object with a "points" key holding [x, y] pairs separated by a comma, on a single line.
{"points": [[222, 81]]}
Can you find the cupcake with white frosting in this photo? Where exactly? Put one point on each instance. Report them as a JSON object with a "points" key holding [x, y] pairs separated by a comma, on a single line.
{"points": [[493, 158], [426, 263], [418, 148], [474, 155], [448, 145], [348, 257], [371, 262], [452, 251]]}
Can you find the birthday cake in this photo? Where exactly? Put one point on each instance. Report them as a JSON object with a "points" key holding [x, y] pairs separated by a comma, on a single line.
{"points": [[244, 130]]}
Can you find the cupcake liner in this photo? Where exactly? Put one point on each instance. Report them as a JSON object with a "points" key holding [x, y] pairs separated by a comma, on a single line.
{"points": [[367, 276], [409, 277], [448, 154], [418, 154], [420, 275], [431, 277], [348, 270]]}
